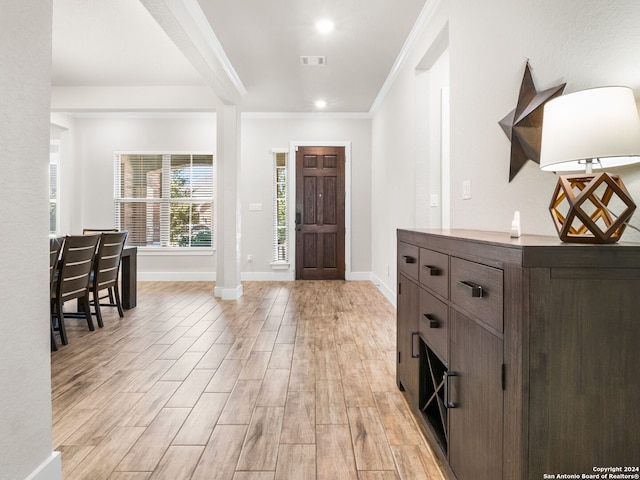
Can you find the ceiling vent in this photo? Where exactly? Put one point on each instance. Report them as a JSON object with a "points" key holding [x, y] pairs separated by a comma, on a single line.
{"points": [[314, 61]]}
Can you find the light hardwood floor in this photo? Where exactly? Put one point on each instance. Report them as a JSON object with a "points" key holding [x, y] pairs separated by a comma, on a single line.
{"points": [[294, 381]]}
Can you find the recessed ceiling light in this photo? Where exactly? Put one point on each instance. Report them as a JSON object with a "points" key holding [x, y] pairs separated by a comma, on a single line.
{"points": [[321, 103], [324, 26]]}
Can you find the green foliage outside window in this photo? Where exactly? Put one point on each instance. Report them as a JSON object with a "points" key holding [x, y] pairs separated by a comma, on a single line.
{"points": [[165, 200]]}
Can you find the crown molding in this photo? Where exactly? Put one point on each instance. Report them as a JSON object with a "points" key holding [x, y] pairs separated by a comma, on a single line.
{"points": [[140, 115], [418, 27], [213, 115], [306, 115]]}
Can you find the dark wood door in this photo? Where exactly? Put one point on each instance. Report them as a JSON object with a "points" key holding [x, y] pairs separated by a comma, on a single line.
{"points": [[475, 421], [408, 367], [320, 203]]}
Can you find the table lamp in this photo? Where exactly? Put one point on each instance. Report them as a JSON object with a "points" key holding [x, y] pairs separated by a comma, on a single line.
{"points": [[591, 129]]}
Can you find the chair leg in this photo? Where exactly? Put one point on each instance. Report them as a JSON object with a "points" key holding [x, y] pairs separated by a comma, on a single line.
{"points": [[63, 331], [54, 345], [116, 293], [96, 304], [87, 311]]}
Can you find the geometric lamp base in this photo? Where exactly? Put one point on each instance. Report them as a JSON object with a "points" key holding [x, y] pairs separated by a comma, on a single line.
{"points": [[583, 207]]}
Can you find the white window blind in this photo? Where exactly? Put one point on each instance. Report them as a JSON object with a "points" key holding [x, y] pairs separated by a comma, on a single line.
{"points": [[54, 155], [280, 214], [164, 200]]}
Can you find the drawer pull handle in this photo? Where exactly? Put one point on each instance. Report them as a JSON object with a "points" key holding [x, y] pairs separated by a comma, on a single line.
{"points": [[447, 401], [473, 288], [433, 321], [433, 271], [413, 336], [409, 259]]}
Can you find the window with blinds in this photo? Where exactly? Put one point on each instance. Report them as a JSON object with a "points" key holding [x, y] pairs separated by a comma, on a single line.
{"points": [[54, 155], [164, 200], [280, 218]]}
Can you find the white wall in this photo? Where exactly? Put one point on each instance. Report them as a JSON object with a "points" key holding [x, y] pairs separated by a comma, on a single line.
{"points": [[25, 372], [88, 171], [259, 137], [399, 146], [583, 43]]}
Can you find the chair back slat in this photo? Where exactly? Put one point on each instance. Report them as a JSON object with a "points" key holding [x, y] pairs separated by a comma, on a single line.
{"points": [[89, 231]]}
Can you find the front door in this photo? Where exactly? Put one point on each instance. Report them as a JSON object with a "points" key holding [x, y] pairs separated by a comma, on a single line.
{"points": [[320, 194]]}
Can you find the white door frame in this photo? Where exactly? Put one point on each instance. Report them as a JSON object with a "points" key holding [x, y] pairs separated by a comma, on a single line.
{"points": [[293, 146]]}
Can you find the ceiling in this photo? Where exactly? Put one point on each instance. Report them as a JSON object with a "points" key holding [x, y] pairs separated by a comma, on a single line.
{"points": [[136, 43]]}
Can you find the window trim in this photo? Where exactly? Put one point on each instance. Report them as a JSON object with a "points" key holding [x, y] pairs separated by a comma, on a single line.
{"points": [[275, 263], [157, 250]]}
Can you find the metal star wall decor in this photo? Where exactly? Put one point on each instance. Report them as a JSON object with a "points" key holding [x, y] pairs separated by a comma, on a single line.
{"points": [[523, 125]]}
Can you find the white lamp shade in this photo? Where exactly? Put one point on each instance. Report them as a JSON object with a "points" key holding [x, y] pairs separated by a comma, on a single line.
{"points": [[600, 124]]}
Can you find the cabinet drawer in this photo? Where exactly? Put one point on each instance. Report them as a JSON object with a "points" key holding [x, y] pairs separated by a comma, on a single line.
{"points": [[434, 324], [434, 271], [408, 259], [478, 289]]}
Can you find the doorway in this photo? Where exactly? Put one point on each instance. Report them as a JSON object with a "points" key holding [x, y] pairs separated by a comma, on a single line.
{"points": [[433, 176], [320, 213]]}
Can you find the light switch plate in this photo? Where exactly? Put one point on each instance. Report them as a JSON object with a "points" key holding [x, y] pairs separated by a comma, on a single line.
{"points": [[466, 189], [255, 207]]}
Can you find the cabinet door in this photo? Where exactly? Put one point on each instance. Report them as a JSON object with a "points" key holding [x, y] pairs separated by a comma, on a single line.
{"points": [[408, 367], [475, 419]]}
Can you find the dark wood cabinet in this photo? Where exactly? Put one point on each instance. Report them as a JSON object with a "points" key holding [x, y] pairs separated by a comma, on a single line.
{"points": [[528, 352], [408, 342], [476, 400]]}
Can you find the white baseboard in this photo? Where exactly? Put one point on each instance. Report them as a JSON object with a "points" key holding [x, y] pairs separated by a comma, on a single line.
{"points": [[228, 293], [50, 469], [275, 276], [359, 276], [387, 292], [176, 276], [272, 276]]}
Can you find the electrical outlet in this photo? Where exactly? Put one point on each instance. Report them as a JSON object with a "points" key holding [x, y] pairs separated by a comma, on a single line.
{"points": [[435, 200], [249, 258]]}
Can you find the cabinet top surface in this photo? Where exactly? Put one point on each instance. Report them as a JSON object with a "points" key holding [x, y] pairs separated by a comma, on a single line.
{"points": [[528, 250]]}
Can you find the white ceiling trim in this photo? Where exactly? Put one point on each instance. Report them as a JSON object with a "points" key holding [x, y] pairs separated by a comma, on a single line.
{"points": [[182, 21], [140, 115], [193, 7], [205, 115], [418, 27], [306, 115]]}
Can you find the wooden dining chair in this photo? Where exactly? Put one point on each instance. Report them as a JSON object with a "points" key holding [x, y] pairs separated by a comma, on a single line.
{"points": [[55, 245], [72, 279], [105, 273]]}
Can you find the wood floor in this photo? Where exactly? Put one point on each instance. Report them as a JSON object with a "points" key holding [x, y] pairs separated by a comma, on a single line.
{"points": [[294, 381]]}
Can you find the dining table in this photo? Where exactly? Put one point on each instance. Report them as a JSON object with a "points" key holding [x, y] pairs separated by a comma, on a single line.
{"points": [[129, 277]]}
